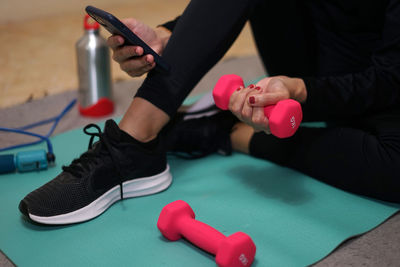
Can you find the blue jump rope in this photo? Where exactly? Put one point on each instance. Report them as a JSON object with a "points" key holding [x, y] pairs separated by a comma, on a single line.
{"points": [[25, 161]]}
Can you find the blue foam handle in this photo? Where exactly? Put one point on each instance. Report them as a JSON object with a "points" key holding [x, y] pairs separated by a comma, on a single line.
{"points": [[31, 160], [7, 163]]}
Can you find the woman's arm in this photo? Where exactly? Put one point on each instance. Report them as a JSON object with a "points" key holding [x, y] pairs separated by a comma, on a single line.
{"points": [[371, 90]]}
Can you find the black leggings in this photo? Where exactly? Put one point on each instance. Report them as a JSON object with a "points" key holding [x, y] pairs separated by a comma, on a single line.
{"points": [[360, 156]]}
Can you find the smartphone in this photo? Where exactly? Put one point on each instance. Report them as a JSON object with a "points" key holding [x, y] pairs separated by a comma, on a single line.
{"points": [[115, 26]]}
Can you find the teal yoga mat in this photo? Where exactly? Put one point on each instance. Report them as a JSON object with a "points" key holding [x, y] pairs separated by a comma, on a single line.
{"points": [[293, 219]]}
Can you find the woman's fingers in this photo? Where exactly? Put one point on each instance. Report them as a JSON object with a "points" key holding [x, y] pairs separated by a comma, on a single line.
{"points": [[259, 120], [115, 41], [240, 106], [237, 102], [138, 66], [247, 110], [124, 53], [265, 99]]}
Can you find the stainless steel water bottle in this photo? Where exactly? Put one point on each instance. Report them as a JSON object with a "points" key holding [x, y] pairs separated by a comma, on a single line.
{"points": [[95, 86]]}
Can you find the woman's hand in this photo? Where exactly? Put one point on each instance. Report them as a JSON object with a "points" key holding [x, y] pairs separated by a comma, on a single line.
{"points": [[248, 103], [131, 58]]}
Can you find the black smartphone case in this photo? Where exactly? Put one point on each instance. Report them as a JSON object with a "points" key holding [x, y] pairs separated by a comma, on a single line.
{"points": [[115, 26]]}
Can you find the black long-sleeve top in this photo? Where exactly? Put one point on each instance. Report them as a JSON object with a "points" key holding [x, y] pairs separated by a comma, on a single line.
{"points": [[358, 47]]}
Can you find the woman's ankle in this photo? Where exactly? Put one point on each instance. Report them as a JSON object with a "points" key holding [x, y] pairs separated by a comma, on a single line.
{"points": [[240, 137], [143, 121]]}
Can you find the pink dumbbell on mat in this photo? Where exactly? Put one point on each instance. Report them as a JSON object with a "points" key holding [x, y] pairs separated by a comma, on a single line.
{"points": [[284, 117], [177, 220]]}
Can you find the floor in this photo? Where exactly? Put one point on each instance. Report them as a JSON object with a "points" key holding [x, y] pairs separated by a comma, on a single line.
{"points": [[37, 47]]}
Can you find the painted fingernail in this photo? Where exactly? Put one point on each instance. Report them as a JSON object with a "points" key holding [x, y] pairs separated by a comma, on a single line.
{"points": [[251, 86], [258, 88], [252, 100], [239, 89]]}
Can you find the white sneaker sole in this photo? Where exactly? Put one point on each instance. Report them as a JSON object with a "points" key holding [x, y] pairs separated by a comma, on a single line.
{"points": [[133, 188]]}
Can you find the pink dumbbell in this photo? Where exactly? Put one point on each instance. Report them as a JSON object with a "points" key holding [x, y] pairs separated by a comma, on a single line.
{"points": [[284, 117], [177, 220]]}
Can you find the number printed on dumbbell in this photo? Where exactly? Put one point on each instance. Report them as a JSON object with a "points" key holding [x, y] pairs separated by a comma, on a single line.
{"points": [[293, 121], [243, 259]]}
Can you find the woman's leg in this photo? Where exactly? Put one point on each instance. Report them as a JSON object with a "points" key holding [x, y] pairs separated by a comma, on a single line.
{"points": [[241, 136], [285, 37], [364, 160], [202, 35]]}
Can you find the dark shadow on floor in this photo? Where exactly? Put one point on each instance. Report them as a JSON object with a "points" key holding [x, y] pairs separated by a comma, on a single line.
{"points": [[274, 182]]}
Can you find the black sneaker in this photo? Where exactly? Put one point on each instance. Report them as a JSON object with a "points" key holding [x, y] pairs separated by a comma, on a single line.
{"points": [[200, 136], [115, 167]]}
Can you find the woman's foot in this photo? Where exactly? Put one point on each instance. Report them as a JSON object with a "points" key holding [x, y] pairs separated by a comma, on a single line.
{"points": [[192, 135]]}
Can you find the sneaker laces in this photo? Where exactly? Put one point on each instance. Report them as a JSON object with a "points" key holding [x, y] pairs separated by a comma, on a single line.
{"points": [[83, 163]]}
